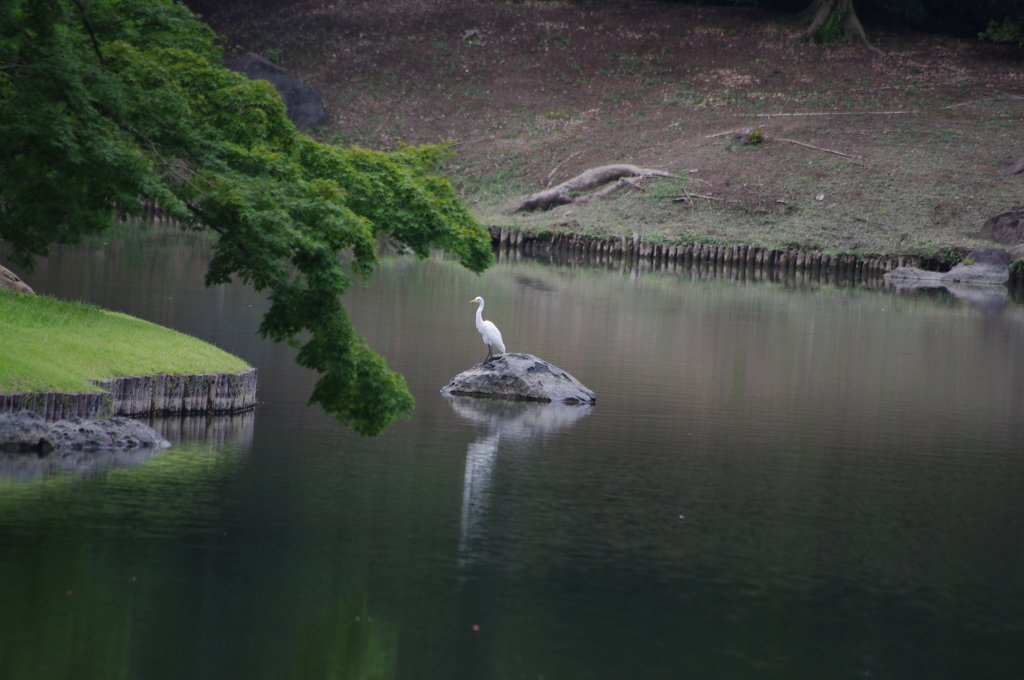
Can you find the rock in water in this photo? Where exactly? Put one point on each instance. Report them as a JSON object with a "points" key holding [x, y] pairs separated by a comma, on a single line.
{"points": [[114, 433], [988, 266], [519, 376], [24, 431], [27, 431]]}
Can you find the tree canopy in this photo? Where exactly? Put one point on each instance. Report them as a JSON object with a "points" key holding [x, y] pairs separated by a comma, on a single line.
{"points": [[106, 103]]}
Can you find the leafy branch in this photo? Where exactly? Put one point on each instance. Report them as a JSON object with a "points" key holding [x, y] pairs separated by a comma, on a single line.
{"points": [[157, 119]]}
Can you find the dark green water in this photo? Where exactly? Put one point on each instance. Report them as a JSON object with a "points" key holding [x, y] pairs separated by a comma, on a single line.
{"points": [[776, 482]]}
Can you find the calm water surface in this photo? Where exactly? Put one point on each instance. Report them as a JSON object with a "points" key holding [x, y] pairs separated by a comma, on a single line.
{"points": [[775, 482]]}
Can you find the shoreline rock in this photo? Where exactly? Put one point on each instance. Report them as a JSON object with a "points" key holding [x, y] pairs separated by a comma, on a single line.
{"points": [[27, 431], [519, 377], [987, 266]]}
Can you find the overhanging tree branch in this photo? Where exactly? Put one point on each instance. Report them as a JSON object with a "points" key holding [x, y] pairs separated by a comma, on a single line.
{"points": [[92, 34], [157, 117]]}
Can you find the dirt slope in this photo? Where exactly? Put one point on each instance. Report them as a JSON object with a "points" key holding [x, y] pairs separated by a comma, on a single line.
{"points": [[533, 93]]}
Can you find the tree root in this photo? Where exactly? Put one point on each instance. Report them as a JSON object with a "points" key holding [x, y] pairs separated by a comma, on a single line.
{"points": [[585, 181]]}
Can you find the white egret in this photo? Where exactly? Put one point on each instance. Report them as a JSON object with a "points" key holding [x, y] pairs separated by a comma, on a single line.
{"points": [[490, 332]]}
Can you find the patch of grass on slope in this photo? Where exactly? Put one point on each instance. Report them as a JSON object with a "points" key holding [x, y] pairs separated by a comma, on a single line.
{"points": [[48, 344]]}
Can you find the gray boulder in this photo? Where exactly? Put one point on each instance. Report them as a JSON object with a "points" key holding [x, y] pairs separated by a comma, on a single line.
{"points": [[987, 266], [27, 431], [24, 431], [519, 376], [1006, 227], [303, 104], [118, 432]]}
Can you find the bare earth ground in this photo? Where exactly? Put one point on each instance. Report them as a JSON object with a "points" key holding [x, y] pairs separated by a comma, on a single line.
{"points": [[534, 93]]}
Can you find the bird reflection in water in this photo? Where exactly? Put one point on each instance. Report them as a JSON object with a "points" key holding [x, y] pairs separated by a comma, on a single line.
{"points": [[499, 420]]}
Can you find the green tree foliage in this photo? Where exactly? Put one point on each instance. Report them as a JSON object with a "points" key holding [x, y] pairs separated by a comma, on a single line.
{"points": [[1011, 30], [104, 103]]}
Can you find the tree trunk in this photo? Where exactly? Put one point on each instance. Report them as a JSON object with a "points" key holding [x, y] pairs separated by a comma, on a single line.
{"points": [[585, 181], [821, 12], [1016, 168]]}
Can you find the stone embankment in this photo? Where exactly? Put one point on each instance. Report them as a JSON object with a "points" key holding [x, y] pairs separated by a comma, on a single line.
{"points": [[138, 395], [615, 248]]}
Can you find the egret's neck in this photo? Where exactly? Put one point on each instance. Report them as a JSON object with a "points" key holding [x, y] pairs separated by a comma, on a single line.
{"points": [[480, 315]]}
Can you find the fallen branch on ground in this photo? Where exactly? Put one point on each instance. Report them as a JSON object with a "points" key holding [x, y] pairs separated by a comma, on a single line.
{"points": [[990, 99], [688, 196], [685, 197], [551, 174], [585, 181], [745, 131], [816, 148], [832, 113]]}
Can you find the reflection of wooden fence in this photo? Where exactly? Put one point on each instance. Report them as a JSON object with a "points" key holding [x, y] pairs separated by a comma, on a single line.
{"points": [[154, 213], [217, 430], [698, 253], [139, 395], [772, 264]]}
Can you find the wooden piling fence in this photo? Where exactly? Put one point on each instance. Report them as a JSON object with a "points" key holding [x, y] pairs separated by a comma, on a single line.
{"points": [[138, 395], [648, 255]]}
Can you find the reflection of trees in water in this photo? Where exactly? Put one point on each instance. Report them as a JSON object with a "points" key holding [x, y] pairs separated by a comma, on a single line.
{"points": [[70, 608], [1001, 323], [499, 419], [345, 642], [102, 583], [152, 256], [61, 616]]}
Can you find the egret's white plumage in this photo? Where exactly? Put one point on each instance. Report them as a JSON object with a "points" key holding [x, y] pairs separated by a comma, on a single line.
{"points": [[490, 332]]}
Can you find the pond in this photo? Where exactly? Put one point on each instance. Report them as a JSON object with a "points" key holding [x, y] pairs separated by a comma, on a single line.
{"points": [[776, 481]]}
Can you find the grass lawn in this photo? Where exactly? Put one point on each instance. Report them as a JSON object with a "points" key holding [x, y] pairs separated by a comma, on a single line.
{"points": [[53, 345]]}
